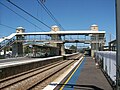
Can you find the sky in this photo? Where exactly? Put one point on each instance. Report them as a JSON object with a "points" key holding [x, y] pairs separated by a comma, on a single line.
{"points": [[71, 14]]}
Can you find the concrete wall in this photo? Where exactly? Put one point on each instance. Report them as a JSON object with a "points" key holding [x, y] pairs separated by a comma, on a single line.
{"points": [[35, 63], [21, 68]]}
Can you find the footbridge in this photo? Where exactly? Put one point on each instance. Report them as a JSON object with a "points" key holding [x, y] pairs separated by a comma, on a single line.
{"points": [[55, 38]]}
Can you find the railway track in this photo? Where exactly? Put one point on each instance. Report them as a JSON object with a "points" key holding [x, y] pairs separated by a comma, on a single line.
{"points": [[46, 81], [31, 79]]}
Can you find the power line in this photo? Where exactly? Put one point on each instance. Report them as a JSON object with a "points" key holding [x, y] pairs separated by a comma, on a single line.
{"points": [[7, 26], [20, 16], [29, 14], [42, 1], [49, 13]]}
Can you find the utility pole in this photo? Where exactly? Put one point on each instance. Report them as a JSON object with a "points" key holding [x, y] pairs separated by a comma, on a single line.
{"points": [[117, 4], [110, 37]]}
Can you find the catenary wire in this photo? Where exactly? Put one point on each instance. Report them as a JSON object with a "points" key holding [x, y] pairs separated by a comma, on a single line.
{"points": [[7, 26], [50, 13], [29, 14], [20, 16]]}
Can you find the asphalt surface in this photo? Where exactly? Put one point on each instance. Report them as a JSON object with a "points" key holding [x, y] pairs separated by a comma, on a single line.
{"points": [[91, 78]]}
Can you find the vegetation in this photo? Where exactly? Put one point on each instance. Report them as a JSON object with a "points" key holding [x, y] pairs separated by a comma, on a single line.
{"points": [[73, 47]]}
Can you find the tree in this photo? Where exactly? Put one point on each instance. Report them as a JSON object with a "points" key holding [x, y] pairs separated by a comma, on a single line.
{"points": [[26, 49], [73, 47]]}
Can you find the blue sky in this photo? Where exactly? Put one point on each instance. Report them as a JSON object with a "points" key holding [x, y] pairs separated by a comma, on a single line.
{"points": [[71, 14]]}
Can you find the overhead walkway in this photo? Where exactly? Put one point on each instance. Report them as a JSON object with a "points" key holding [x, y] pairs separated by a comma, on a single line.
{"points": [[19, 39], [9, 39]]}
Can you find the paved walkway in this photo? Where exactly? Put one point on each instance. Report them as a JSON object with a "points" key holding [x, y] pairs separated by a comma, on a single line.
{"points": [[87, 77], [92, 77]]}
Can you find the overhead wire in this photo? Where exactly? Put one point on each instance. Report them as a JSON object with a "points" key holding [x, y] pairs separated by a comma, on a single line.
{"points": [[41, 2], [28, 14], [50, 13], [20, 16], [7, 26]]}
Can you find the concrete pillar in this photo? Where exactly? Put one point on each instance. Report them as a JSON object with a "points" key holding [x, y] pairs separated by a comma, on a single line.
{"points": [[94, 48], [55, 29], [14, 50], [95, 38], [5, 52], [17, 48], [62, 49], [94, 27], [34, 51], [94, 44], [56, 37]]}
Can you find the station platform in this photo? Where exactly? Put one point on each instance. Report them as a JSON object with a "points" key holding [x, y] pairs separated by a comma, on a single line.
{"points": [[86, 76]]}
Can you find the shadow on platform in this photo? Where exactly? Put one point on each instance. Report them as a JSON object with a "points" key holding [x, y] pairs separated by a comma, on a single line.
{"points": [[79, 87]]}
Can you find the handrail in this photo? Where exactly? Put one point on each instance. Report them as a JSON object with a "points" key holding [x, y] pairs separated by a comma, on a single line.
{"points": [[7, 41]]}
